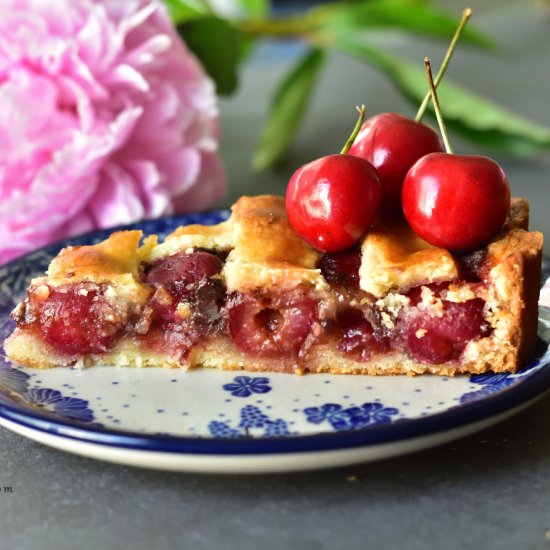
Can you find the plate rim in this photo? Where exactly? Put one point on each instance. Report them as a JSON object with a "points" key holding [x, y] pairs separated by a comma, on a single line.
{"points": [[534, 386], [258, 463], [527, 389]]}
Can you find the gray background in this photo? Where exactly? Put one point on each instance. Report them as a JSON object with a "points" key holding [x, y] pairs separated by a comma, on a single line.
{"points": [[491, 490]]}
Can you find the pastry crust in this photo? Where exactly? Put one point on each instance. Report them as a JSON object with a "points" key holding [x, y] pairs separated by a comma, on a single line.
{"points": [[514, 261], [265, 252], [118, 256], [265, 255], [394, 257], [116, 261]]}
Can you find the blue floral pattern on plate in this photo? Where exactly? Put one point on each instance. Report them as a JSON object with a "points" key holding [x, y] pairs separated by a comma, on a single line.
{"points": [[351, 418], [218, 405], [55, 402], [251, 420], [12, 379], [245, 386], [490, 383], [15, 386], [6, 324]]}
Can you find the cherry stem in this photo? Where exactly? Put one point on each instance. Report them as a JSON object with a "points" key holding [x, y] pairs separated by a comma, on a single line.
{"points": [[437, 108], [466, 14], [358, 125]]}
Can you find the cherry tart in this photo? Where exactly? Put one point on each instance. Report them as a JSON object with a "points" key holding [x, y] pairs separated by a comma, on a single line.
{"points": [[250, 294]]}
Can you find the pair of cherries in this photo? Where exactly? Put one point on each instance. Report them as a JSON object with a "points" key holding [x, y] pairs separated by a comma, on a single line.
{"points": [[395, 163]]}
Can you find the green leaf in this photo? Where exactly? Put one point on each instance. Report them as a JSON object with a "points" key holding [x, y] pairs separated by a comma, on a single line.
{"points": [[217, 43], [252, 9], [404, 15], [185, 10], [287, 110], [471, 115], [256, 8]]}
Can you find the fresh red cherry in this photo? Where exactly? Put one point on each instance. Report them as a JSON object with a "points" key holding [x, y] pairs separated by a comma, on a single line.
{"points": [[452, 201], [456, 202], [333, 201], [392, 143]]}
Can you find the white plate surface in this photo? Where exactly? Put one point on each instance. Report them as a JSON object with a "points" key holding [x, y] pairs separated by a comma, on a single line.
{"points": [[214, 421]]}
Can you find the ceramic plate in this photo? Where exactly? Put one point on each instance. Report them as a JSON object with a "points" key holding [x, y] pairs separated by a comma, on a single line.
{"points": [[214, 421]]}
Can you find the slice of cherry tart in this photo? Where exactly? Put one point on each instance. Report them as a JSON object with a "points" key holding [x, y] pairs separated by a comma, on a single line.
{"points": [[249, 293]]}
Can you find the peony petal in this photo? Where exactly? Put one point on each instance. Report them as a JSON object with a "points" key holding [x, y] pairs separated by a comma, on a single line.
{"points": [[147, 52], [128, 76], [212, 188], [137, 18], [156, 198], [105, 118], [181, 169], [116, 201]]}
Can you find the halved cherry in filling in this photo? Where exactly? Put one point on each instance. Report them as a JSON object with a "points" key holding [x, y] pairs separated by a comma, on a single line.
{"points": [[186, 277], [274, 329], [357, 336], [437, 338], [179, 273], [77, 321]]}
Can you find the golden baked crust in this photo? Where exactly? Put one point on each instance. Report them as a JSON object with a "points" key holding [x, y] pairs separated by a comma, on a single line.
{"points": [[214, 237], [394, 257], [115, 261], [263, 235], [266, 255], [116, 256], [265, 252], [518, 217], [514, 264]]}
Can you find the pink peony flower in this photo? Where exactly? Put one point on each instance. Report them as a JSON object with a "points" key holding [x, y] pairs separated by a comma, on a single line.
{"points": [[105, 118]]}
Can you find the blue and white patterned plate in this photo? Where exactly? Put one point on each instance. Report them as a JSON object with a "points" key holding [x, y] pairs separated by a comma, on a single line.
{"points": [[215, 421]]}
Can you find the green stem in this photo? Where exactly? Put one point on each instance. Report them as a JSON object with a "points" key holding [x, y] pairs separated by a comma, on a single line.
{"points": [[358, 124], [278, 28], [435, 100], [466, 14]]}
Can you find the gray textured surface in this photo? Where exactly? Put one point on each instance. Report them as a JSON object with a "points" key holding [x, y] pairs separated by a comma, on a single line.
{"points": [[491, 490]]}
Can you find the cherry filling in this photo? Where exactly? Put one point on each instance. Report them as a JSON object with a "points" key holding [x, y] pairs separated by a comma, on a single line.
{"points": [[180, 273], [77, 321], [271, 328], [187, 301], [434, 333], [185, 278], [441, 338], [357, 336], [473, 266], [341, 268]]}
